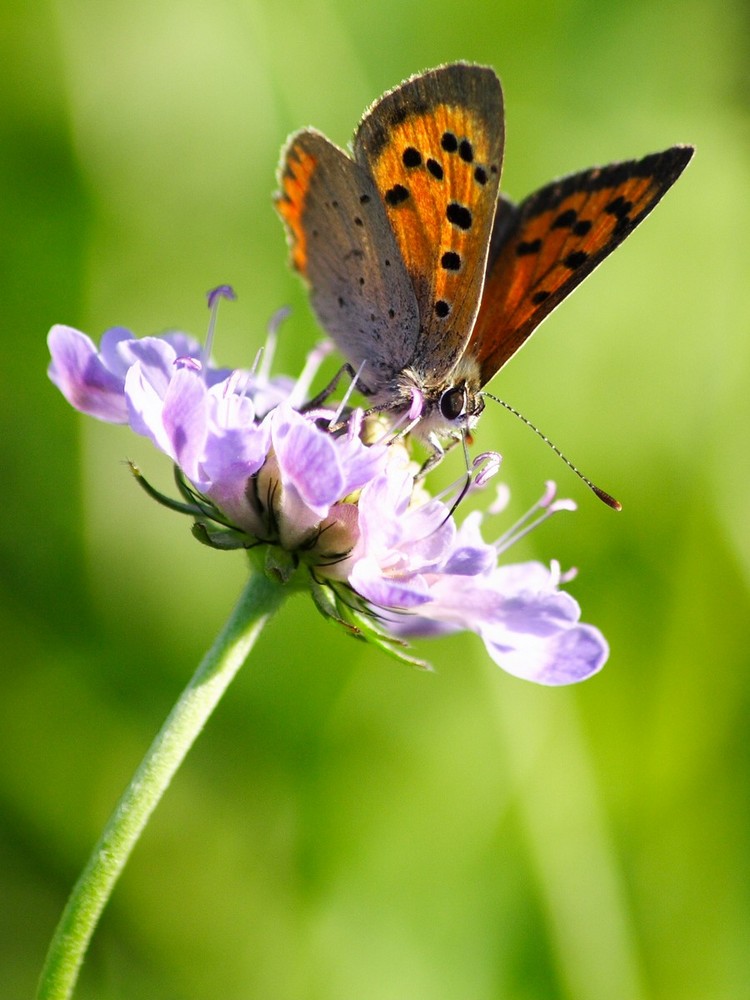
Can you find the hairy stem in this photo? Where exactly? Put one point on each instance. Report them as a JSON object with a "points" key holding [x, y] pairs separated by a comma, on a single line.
{"points": [[259, 600]]}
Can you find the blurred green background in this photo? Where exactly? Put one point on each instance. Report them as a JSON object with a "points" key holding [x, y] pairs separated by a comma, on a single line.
{"points": [[346, 827]]}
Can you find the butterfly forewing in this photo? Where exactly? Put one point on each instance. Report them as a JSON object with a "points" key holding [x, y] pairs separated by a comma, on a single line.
{"points": [[342, 243], [542, 249], [434, 148]]}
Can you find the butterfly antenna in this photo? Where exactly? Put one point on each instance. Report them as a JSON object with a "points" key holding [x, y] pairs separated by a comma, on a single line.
{"points": [[602, 494]]}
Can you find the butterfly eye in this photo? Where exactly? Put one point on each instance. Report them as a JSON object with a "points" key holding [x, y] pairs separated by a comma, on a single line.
{"points": [[453, 402]]}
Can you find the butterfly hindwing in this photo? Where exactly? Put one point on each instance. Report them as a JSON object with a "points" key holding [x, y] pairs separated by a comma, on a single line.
{"points": [[434, 147], [342, 243], [544, 247]]}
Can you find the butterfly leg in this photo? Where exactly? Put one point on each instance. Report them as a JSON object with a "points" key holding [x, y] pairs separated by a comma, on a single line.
{"points": [[439, 451], [320, 399]]}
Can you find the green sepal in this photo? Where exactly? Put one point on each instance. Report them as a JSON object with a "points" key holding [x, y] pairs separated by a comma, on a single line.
{"points": [[219, 538], [202, 505], [394, 647], [182, 508], [328, 605]]}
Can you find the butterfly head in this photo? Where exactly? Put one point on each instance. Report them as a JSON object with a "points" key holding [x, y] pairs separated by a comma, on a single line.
{"points": [[442, 408]]}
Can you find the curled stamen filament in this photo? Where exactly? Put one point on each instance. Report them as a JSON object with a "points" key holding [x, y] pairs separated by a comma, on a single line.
{"points": [[486, 466]]}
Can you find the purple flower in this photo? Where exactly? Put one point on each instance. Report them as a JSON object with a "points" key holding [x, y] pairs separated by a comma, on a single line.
{"points": [[403, 547], [350, 516], [416, 561], [529, 627], [311, 471], [94, 381], [212, 434], [209, 424]]}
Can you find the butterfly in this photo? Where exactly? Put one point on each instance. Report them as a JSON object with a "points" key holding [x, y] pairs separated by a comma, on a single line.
{"points": [[426, 278]]}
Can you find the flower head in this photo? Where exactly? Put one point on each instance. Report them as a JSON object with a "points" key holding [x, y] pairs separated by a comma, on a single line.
{"points": [[325, 504]]}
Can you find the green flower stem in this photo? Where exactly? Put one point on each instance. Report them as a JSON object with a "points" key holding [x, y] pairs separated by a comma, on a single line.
{"points": [[260, 599]]}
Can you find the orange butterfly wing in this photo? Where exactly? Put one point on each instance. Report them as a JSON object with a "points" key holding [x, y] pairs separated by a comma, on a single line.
{"points": [[434, 148], [543, 248]]}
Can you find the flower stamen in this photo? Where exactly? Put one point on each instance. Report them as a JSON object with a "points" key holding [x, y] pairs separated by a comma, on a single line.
{"points": [[537, 514], [347, 396], [313, 361], [214, 297], [264, 358]]}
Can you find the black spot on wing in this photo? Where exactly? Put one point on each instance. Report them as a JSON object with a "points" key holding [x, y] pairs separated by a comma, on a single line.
{"points": [[449, 142], [619, 207], [565, 220], [435, 169], [450, 261], [569, 220], [574, 260], [466, 151], [458, 215], [396, 195], [526, 247]]}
